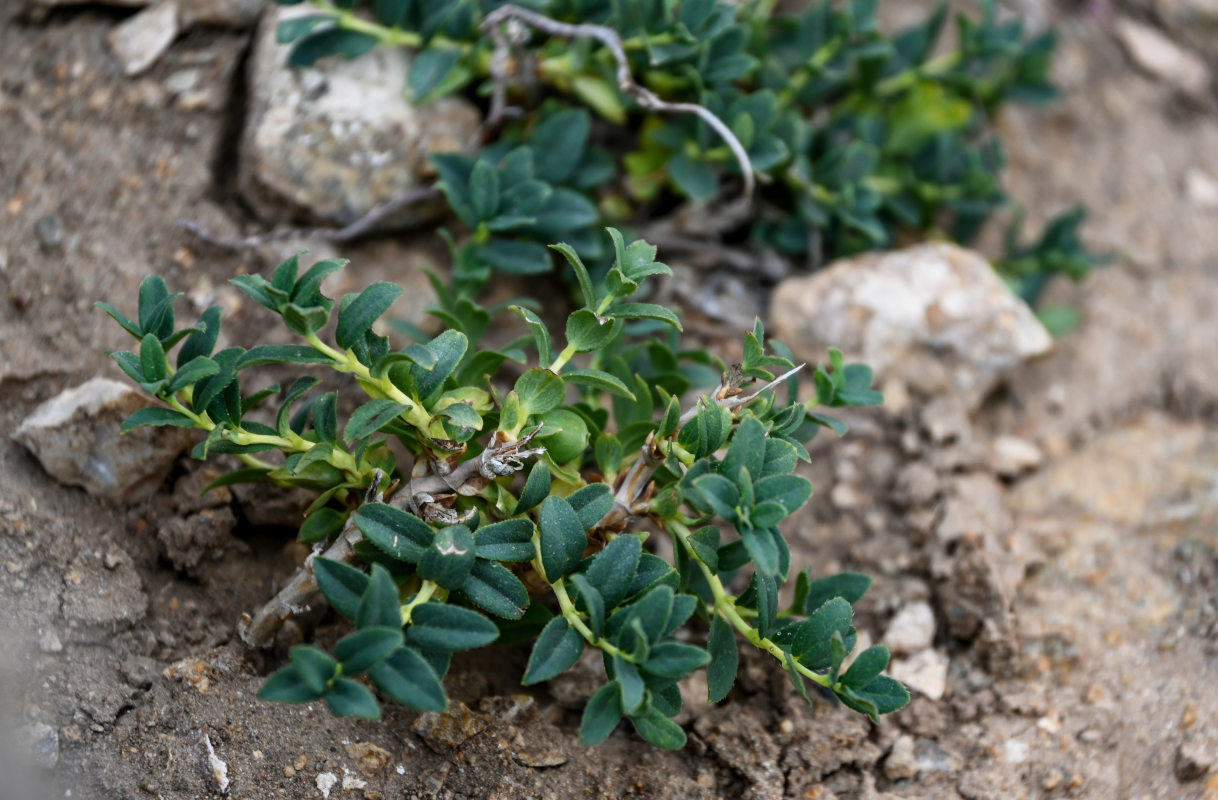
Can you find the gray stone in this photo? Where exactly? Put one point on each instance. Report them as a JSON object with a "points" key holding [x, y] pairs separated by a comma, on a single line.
{"points": [[49, 230], [333, 141], [901, 763], [1162, 58], [911, 630], [1011, 456], [140, 40], [925, 672], [43, 743], [935, 316], [76, 437]]}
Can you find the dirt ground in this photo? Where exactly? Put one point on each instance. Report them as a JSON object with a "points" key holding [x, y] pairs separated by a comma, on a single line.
{"points": [[1075, 605]]}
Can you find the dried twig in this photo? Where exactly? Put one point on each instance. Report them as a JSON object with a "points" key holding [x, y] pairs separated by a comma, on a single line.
{"points": [[258, 630], [361, 227], [626, 82]]}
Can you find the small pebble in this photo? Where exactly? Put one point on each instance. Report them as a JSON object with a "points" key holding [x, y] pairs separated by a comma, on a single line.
{"points": [[49, 230]]}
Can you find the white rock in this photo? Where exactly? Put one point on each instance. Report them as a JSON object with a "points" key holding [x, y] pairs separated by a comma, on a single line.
{"points": [[217, 768], [912, 629], [1011, 456], [335, 140], [325, 782], [901, 763], [925, 672], [1201, 189], [140, 40], [935, 316], [1162, 58], [76, 437]]}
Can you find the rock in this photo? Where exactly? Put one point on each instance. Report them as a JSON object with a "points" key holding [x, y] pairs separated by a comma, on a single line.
{"points": [[1194, 758], [49, 230], [49, 642], [976, 505], [217, 770], [911, 630], [189, 543], [43, 744], [445, 731], [139, 41], [335, 140], [222, 13], [901, 764], [369, 759], [1162, 58], [935, 316], [1011, 456], [1201, 189], [95, 596], [925, 672], [76, 437], [917, 485]]}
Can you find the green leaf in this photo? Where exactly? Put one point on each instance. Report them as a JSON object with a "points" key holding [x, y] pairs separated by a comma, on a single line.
{"points": [[407, 678], [587, 332], [557, 649], [280, 353], [396, 532], [484, 190], [659, 731], [560, 142], [450, 558], [447, 628], [514, 256], [366, 648], [645, 311], [869, 664], [601, 715], [380, 605], [581, 272], [194, 370], [287, 686], [591, 503], [128, 325], [789, 491], [562, 538], [202, 342], [371, 417], [429, 69], [675, 660], [811, 645], [541, 334], [321, 525], [634, 691], [356, 317], [724, 659], [596, 379], [848, 585], [612, 570], [333, 42], [156, 416], [564, 433], [747, 450], [540, 391], [342, 584], [289, 30], [313, 667], [325, 418], [347, 698], [155, 308], [153, 364], [590, 602], [609, 453], [536, 488], [694, 178], [705, 542], [887, 694], [508, 540], [493, 588]]}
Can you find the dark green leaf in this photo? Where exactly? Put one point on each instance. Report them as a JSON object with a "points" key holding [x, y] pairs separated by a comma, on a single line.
{"points": [[596, 379], [557, 649], [581, 272], [536, 488], [371, 417], [696, 179], [849, 585], [508, 540], [724, 659], [613, 569], [590, 602], [287, 686], [869, 664], [356, 317], [493, 588], [407, 678], [396, 532], [674, 659], [342, 584], [811, 645], [336, 41], [366, 647], [321, 525], [314, 668], [562, 538], [587, 332], [591, 503], [646, 311], [289, 30], [659, 731], [514, 257], [540, 391], [431, 66], [380, 605], [446, 628], [280, 353], [156, 416], [601, 715], [202, 342], [347, 698], [450, 558]]}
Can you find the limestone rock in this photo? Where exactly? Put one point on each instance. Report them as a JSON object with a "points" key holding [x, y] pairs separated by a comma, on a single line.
{"points": [[1011, 456], [1163, 58], [925, 672], [333, 141], [76, 437], [139, 41], [912, 629], [935, 316]]}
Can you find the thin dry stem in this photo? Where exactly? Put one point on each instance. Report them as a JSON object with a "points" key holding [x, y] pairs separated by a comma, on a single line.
{"points": [[626, 82]]}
